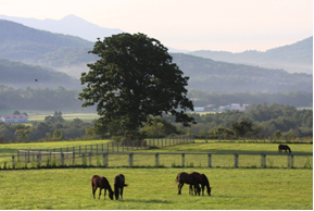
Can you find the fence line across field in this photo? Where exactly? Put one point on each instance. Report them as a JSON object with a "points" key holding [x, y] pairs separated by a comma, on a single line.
{"points": [[157, 155], [30, 155]]}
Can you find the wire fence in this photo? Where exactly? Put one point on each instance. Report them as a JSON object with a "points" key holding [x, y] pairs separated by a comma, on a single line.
{"points": [[171, 159], [97, 149], [131, 154]]}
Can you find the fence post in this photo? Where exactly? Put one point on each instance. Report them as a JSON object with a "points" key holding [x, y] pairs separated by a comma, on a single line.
{"points": [[131, 159], [90, 158], [292, 161], [209, 160], [156, 159], [288, 159], [236, 160], [13, 163], [49, 157], [62, 159], [183, 155], [263, 160], [38, 161], [105, 159], [28, 156], [73, 156], [83, 159]]}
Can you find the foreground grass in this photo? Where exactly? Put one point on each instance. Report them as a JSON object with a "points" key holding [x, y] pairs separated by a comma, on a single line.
{"points": [[155, 189]]}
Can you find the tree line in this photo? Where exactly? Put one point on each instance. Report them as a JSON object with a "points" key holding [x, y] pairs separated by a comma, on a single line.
{"points": [[260, 120]]}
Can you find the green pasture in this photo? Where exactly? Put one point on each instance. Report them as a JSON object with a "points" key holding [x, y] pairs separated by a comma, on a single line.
{"points": [[155, 189], [65, 116]]}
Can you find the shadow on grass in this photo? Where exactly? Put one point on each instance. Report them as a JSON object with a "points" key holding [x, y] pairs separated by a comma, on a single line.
{"points": [[146, 201]]}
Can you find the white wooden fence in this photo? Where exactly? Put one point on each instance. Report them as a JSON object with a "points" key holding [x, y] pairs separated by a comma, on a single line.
{"points": [[126, 159]]}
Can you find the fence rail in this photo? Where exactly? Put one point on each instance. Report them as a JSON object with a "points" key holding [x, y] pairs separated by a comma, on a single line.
{"points": [[178, 159], [28, 155]]}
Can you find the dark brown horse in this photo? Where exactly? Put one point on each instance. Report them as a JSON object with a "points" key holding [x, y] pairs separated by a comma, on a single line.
{"points": [[189, 179], [101, 182], [202, 179], [284, 147], [119, 184]]}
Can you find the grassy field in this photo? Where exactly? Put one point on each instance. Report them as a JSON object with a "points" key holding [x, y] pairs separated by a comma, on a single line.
{"points": [[66, 116], [155, 189]]}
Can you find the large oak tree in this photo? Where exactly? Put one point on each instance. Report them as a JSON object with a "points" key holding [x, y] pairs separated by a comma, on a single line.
{"points": [[134, 80]]}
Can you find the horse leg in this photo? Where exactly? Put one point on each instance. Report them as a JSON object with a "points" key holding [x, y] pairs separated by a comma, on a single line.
{"points": [[197, 190], [99, 193], [191, 190], [94, 190], [121, 193], [180, 185]]}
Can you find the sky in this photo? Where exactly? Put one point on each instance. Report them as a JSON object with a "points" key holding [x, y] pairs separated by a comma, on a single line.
{"points": [[220, 25]]}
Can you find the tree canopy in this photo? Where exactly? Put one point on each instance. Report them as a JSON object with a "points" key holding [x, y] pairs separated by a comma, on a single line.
{"points": [[134, 80]]}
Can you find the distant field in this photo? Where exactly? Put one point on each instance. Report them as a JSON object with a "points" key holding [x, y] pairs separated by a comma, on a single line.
{"points": [[69, 117], [155, 189]]}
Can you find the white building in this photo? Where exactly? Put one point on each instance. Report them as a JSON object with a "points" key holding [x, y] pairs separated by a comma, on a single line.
{"points": [[233, 107], [14, 118]]}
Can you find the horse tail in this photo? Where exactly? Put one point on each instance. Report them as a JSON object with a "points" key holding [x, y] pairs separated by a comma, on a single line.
{"points": [[176, 180]]}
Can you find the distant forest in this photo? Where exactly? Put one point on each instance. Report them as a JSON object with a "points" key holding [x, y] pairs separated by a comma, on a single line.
{"points": [[66, 99], [259, 121]]}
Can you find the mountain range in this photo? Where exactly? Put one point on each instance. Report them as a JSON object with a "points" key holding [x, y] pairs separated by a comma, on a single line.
{"points": [[68, 54], [297, 57], [69, 25]]}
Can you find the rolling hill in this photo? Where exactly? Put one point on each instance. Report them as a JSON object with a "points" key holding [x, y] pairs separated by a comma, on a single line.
{"points": [[69, 25], [19, 75], [297, 57], [32, 46], [69, 54]]}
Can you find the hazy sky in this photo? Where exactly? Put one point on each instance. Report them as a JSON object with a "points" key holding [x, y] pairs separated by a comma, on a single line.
{"points": [[231, 25]]}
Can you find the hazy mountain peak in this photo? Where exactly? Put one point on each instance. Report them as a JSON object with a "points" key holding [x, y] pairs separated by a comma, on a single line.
{"points": [[69, 25], [73, 19]]}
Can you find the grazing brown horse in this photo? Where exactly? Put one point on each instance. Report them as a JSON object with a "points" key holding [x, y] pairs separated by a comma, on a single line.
{"points": [[202, 179], [119, 184], [189, 179], [101, 182], [284, 147]]}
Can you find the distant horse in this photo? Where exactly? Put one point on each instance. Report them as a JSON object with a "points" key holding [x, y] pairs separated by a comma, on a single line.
{"points": [[284, 147], [189, 179], [202, 179], [101, 182], [119, 184]]}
